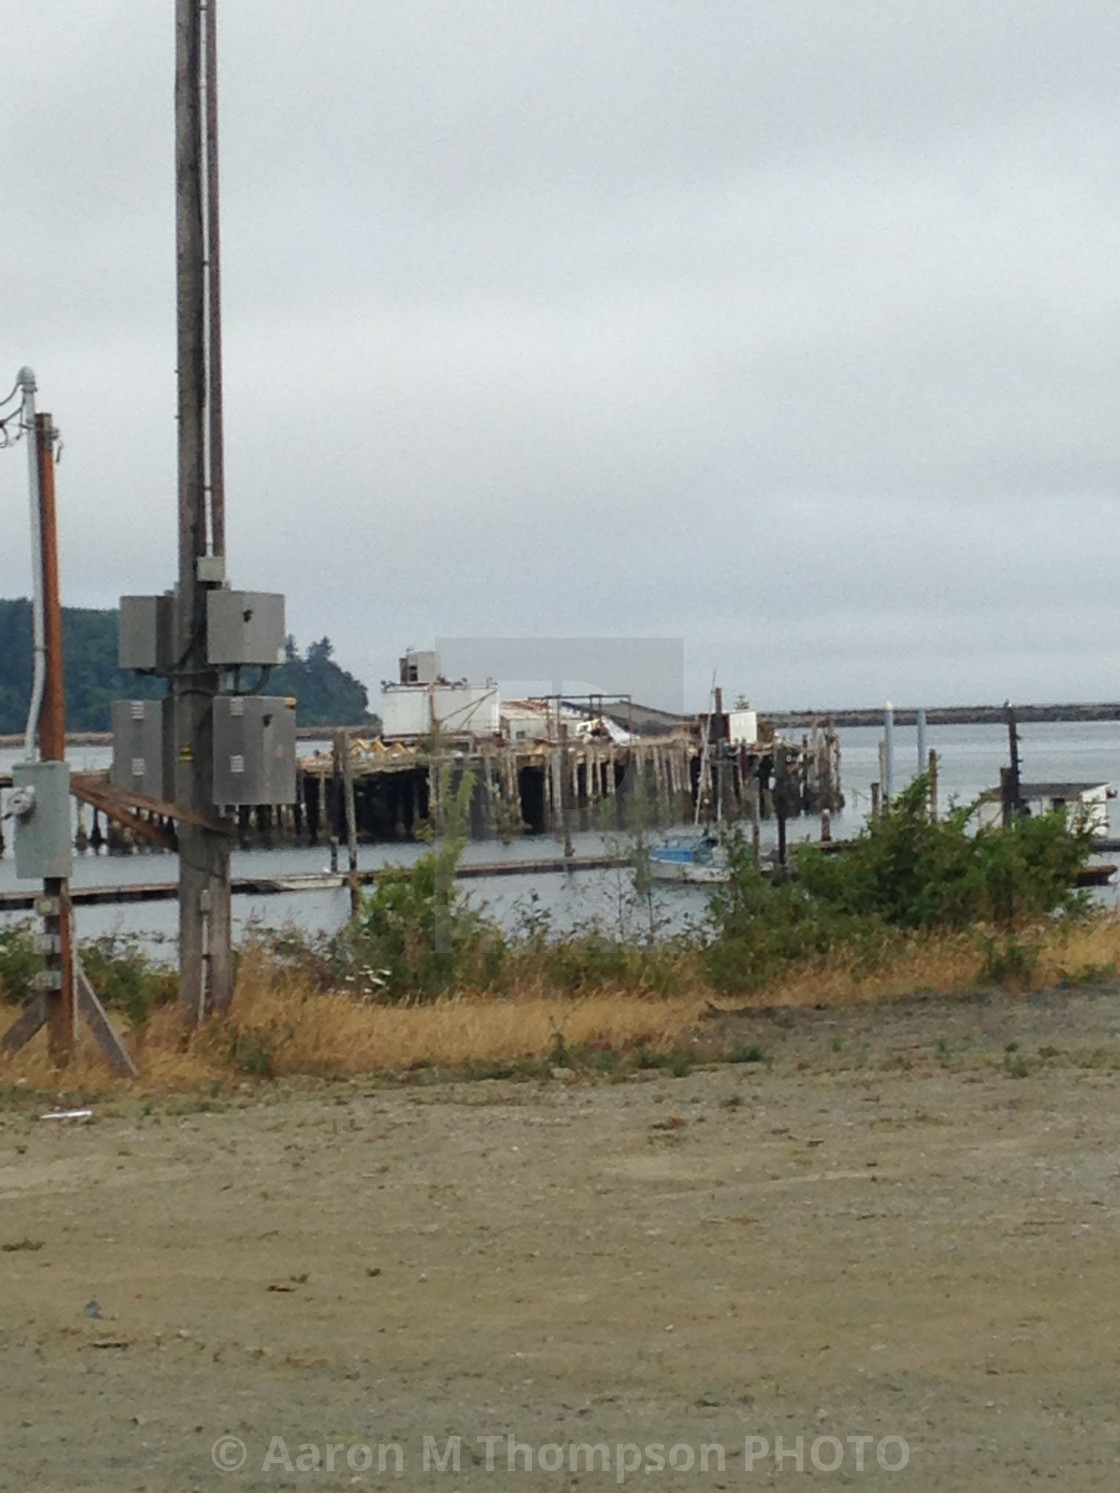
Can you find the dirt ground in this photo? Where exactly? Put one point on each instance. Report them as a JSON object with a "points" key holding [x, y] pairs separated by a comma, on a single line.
{"points": [[900, 1227]]}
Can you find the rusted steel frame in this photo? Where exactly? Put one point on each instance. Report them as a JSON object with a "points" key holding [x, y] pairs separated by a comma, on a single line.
{"points": [[121, 803]]}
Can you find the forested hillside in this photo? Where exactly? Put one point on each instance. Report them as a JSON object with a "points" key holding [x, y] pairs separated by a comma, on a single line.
{"points": [[326, 694]]}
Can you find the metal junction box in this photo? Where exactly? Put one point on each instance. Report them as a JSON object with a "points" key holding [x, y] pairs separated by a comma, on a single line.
{"points": [[254, 750], [147, 634], [141, 747], [40, 805], [244, 627]]}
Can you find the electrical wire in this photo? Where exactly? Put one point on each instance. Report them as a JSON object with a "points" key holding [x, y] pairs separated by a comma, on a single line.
{"points": [[7, 440]]}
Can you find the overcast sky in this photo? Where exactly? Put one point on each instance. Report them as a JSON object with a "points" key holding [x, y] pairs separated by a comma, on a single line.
{"points": [[789, 328]]}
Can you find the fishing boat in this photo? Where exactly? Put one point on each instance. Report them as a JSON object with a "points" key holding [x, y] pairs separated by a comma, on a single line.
{"points": [[700, 858], [693, 858]]}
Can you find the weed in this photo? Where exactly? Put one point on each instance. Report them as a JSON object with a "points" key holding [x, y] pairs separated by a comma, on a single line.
{"points": [[250, 1054], [749, 1054], [125, 977], [678, 1063], [1008, 960]]}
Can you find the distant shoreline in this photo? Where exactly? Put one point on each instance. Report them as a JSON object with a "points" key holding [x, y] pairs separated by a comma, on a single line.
{"points": [[945, 715], [105, 738]]}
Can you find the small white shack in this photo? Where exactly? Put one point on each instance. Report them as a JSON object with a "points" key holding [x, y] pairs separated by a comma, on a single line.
{"points": [[1082, 803]]}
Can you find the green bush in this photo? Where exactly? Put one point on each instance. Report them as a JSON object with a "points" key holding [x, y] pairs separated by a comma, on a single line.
{"points": [[917, 872], [415, 934], [19, 963], [126, 978], [904, 872]]}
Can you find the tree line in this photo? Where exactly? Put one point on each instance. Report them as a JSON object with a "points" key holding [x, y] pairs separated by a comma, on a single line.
{"points": [[325, 693]]}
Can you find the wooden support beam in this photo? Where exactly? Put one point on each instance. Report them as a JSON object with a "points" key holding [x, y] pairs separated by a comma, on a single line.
{"points": [[93, 1014], [31, 1018]]}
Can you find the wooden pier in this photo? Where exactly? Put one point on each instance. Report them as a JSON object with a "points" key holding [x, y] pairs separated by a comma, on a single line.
{"points": [[547, 787], [373, 792]]}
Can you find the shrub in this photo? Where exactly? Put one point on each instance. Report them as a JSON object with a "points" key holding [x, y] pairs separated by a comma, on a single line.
{"points": [[126, 978], [904, 872], [917, 872], [19, 962], [415, 930]]}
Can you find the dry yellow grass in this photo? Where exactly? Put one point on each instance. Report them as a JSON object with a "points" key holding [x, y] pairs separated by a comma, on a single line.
{"points": [[280, 1026]]}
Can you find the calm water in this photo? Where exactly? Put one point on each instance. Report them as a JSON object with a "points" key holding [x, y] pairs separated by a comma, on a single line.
{"points": [[970, 759]]}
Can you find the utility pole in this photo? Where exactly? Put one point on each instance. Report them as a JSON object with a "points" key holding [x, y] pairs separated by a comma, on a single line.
{"points": [[41, 801], [58, 955], [205, 953]]}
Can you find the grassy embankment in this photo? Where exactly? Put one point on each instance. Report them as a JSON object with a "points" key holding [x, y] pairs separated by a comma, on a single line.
{"points": [[421, 981]]}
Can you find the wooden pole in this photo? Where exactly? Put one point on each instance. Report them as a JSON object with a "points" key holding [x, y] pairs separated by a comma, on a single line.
{"points": [[343, 748], [1014, 775], [565, 786], [205, 942], [68, 991], [335, 798], [58, 955], [215, 419], [932, 784], [782, 788]]}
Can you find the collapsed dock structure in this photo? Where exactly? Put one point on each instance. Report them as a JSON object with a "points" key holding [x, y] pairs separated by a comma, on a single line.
{"points": [[542, 765], [552, 763]]}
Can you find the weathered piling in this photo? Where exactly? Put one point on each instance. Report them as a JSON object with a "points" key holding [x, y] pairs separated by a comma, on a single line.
{"points": [[358, 791]]}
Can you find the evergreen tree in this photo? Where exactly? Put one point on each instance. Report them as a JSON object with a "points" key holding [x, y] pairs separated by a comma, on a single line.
{"points": [[326, 694]]}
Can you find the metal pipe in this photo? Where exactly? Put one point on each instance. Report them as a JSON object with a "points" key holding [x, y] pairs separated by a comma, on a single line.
{"points": [[26, 382]]}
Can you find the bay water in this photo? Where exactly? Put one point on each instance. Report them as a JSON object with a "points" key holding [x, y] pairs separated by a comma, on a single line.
{"points": [[970, 758]]}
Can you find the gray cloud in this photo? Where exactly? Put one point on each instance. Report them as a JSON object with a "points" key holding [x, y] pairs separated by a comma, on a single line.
{"points": [[785, 328]]}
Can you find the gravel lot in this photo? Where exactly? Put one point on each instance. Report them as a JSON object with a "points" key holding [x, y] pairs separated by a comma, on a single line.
{"points": [[903, 1226]]}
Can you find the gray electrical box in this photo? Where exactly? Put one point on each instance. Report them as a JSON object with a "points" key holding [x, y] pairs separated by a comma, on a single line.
{"points": [[254, 750], [244, 627], [147, 634], [141, 747], [40, 805]]}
